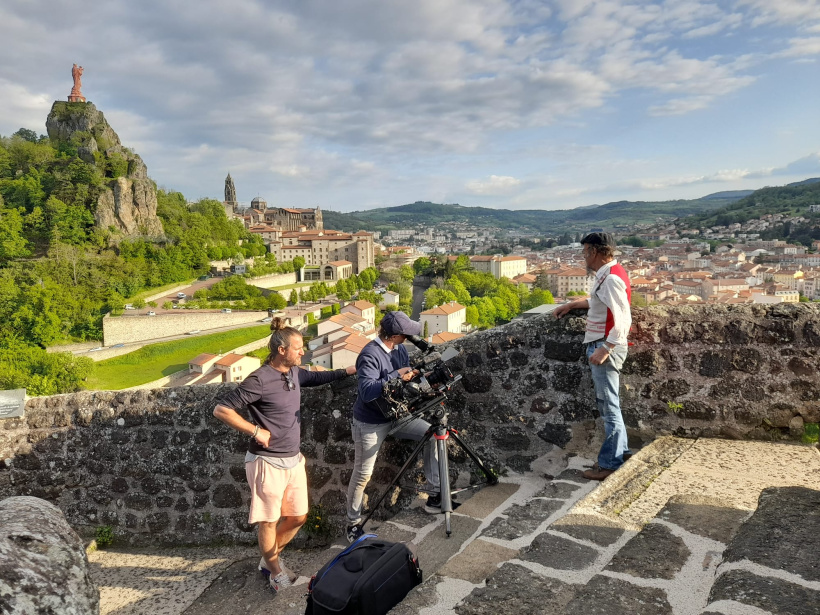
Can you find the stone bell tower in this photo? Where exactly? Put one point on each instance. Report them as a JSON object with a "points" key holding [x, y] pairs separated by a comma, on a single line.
{"points": [[230, 203]]}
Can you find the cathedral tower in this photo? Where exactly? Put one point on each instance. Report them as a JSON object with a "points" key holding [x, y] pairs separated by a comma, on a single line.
{"points": [[230, 202]]}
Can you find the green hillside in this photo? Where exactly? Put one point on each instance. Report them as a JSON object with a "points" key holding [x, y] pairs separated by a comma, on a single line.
{"points": [[610, 215], [60, 272], [793, 199]]}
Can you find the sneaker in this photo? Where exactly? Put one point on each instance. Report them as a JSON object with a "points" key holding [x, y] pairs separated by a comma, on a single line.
{"points": [[280, 581], [263, 568], [433, 505], [354, 532]]}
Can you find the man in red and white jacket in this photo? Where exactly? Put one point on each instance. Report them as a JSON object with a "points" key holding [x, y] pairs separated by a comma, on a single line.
{"points": [[608, 321]]}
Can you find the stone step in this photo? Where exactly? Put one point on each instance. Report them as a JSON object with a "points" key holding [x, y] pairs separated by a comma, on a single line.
{"points": [[667, 567], [772, 563], [589, 564]]}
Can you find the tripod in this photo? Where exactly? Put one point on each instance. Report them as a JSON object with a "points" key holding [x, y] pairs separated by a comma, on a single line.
{"points": [[436, 413]]}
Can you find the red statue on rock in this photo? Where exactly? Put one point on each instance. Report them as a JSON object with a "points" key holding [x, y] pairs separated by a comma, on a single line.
{"points": [[76, 93]]}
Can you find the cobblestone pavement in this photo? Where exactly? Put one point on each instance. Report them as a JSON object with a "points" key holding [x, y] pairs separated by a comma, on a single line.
{"points": [[685, 527]]}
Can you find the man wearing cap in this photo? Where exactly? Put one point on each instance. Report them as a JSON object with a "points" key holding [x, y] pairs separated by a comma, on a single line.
{"points": [[608, 321], [385, 358]]}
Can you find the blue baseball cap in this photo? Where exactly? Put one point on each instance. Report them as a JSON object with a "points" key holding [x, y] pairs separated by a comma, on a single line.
{"points": [[399, 323]]}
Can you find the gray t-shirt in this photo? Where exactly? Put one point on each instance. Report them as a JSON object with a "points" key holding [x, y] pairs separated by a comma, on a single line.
{"points": [[272, 399]]}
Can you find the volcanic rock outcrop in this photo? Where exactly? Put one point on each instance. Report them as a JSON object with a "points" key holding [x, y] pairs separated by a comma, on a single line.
{"points": [[128, 200]]}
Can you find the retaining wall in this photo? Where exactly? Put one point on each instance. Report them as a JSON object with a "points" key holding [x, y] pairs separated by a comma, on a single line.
{"points": [[157, 467], [127, 328], [272, 280]]}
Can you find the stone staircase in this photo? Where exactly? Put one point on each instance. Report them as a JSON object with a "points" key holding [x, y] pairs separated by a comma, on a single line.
{"points": [[677, 530]]}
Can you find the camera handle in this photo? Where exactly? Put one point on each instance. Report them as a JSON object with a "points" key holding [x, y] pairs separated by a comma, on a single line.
{"points": [[441, 433]]}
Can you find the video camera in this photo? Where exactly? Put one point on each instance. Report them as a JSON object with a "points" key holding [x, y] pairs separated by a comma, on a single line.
{"points": [[434, 379]]}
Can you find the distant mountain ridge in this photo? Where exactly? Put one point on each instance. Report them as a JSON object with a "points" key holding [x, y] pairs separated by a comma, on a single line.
{"points": [[728, 194], [610, 216]]}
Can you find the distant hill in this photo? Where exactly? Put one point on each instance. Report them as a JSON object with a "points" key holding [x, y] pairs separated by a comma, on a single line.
{"points": [[608, 216], [812, 180], [728, 194], [793, 199]]}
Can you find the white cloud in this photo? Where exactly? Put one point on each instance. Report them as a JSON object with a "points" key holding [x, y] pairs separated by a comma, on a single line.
{"points": [[358, 99], [802, 47], [801, 12], [494, 185]]}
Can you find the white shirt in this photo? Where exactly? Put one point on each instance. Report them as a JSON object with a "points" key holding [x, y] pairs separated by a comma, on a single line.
{"points": [[608, 292], [381, 343]]}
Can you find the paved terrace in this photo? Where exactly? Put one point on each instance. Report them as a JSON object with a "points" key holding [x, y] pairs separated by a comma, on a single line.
{"points": [[686, 527]]}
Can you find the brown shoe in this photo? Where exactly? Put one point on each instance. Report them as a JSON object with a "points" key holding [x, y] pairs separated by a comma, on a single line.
{"points": [[597, 473]]}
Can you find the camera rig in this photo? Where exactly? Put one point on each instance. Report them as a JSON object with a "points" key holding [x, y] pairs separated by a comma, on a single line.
{"points": [[432, 380], [423, 396]]}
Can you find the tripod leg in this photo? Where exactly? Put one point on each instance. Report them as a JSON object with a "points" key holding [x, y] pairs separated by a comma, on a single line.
{"points": [[410, 460], [492, 479], [441, 436]]}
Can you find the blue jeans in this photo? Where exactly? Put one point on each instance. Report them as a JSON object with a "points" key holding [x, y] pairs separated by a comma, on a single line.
{"points": [[368, 439], [606, 379]]}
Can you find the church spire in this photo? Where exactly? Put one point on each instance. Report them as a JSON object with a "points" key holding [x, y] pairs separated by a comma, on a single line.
{"points": [[231, 203]]}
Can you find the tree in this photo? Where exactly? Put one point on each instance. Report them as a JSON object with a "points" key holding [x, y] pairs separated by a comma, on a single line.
{"points": [[462, 263], [26, 134], [486, 312], [438, 296], [426, 332], [276, 301], [457, 287], [404, 290], [369, 296], [294, 298], [422, 266], [538, 297], [471, 315], [542, 282], [12, 243], [407, 274], [298, 262]]}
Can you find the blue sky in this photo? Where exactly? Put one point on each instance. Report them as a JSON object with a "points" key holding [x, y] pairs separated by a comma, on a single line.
{"points": [[355, 104]]}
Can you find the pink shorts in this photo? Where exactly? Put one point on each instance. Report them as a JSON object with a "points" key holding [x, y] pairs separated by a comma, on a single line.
{"points": [[276, 493]]}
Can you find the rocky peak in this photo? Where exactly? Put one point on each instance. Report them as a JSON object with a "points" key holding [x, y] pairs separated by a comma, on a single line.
{"points": [[128, 202]]}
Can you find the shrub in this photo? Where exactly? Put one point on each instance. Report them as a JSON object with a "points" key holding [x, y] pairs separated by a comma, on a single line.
{"points": [[318, 525], [104, 536]]}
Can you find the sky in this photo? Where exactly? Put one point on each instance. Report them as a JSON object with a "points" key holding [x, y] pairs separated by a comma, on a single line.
{"points": [[357, 104]]}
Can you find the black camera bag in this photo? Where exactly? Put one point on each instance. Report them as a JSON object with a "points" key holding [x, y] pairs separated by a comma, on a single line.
{"points": [[370, 577]]}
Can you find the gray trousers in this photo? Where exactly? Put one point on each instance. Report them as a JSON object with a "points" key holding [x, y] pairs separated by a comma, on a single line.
{"points": [[368, 439]]}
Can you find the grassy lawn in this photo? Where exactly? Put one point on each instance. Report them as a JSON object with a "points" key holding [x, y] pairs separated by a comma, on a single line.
{"points": [[157, 360], [259, 353]]}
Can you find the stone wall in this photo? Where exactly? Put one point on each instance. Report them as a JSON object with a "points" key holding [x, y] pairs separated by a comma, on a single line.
{"points": [[128, 328], [273, 280], [157, 466]]}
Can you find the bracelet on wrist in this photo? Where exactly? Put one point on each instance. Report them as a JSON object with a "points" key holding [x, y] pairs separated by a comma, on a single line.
{"points": [[255, 431]]}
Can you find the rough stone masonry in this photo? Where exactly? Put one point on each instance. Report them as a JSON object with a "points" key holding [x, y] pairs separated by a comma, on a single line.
{"points": [[158, 468]]}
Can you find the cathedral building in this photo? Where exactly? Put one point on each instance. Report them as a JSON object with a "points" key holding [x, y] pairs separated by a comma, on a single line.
{"points": [[290, 232]]}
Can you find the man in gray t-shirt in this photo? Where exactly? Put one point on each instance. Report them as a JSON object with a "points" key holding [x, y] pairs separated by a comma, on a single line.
{"points": [[274, 466]]}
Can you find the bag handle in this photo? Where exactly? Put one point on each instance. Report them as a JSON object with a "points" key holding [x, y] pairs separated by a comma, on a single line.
{"points": [[345, 552]]}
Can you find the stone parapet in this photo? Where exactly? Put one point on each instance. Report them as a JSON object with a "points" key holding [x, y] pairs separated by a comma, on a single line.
{"points": [[157, 466]]}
